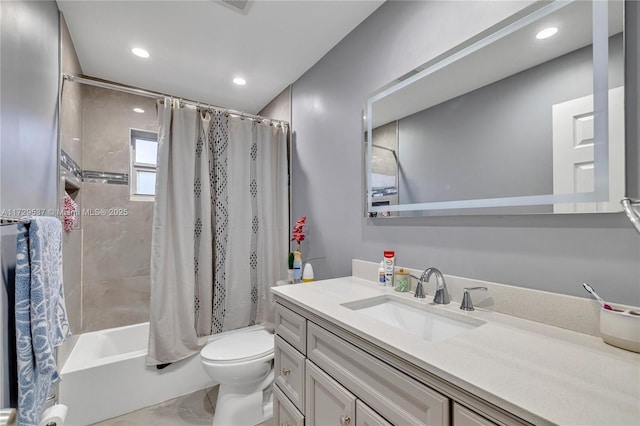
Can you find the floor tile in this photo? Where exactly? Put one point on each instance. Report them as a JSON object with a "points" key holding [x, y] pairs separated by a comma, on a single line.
{"points": [[189, 410], [193, 409]]}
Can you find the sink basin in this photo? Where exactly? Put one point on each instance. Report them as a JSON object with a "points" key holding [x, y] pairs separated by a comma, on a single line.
{"points": [[427, 321]]}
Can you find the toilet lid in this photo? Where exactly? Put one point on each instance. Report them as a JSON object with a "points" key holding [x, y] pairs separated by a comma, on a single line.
{"points": [[241, 345]]}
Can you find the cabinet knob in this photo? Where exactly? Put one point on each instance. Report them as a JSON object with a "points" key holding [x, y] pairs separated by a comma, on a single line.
{"points": [[345, 420], [286, 371]]}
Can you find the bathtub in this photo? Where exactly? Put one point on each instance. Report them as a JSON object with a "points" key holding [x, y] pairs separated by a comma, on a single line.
{"points": [[106, 376]]}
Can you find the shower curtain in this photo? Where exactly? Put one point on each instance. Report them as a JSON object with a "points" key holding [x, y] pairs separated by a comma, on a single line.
{"points": [[220, 227]]}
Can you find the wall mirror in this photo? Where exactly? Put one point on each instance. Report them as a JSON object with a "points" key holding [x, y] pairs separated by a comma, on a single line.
{"points": [[526, 119]]}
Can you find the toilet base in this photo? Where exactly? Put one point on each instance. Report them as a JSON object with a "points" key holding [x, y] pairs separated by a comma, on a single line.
{"points": [[244, 404]]}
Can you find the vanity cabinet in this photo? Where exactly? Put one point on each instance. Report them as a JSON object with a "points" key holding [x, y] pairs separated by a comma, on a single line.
{"points": [[462, 416], [323, 378], [327, 402], [284, 412], [365, 416], [292, 327], [396, 396], [289, 368]]}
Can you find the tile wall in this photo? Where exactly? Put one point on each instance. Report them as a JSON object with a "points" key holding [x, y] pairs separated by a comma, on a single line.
{"points": [[117, 240]]}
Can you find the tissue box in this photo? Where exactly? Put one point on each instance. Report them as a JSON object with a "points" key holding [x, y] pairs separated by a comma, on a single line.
{"points": [[621, 328]]}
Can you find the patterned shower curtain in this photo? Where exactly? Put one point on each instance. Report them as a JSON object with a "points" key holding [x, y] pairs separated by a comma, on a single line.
{"points": [[220, 236]]}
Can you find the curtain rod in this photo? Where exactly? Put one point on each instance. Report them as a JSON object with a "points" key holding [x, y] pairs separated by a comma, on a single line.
{"points": [[156, 95]]}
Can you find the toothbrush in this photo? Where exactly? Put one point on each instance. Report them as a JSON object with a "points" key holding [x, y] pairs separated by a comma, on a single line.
{"points": [[604, 304]]}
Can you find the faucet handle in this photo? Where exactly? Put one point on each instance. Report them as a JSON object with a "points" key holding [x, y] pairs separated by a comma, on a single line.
{"points": [[467, 304], [419, 293]]}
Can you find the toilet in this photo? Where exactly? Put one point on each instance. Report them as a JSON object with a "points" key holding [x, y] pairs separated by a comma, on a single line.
{"points": [[242, 363]]}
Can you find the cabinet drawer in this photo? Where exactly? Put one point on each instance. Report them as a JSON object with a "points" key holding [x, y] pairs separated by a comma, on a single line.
{"points": [[289, 372], [327, 402], [284, 412], [291, 327], [396, 396], [365, 416], [462, 416]]}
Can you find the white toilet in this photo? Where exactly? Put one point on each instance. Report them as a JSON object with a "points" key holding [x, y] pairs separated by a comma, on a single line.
{"points": [[242, 363]]}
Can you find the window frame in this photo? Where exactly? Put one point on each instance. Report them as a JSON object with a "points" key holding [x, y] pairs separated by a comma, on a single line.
{"points": [[134, 136]]}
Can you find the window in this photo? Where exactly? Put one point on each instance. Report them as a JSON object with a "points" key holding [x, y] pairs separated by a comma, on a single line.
{"points": [[144, 163]]}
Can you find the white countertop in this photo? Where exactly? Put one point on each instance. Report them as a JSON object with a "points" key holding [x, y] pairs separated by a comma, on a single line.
{"points": [[540, 373]]}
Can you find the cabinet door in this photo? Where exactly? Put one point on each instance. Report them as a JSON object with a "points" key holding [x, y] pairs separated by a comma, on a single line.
{"points": [[284, 412], [327, 402], [462, 416], [365, 416], [289, 372]]}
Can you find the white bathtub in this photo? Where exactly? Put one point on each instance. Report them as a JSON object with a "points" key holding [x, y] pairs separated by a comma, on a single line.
{"points": [[106, 376]]}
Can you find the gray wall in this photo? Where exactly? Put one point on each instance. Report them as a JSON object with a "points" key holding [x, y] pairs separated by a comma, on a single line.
{"points": [[497, 140], [546, 252], [28, 150], [280, 107], [632, 92]]}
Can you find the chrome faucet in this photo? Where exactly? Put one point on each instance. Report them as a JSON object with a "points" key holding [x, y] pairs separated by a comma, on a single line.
{"points": [[442, 294]]}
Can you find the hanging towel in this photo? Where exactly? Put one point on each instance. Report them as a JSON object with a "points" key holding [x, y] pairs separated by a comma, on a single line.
{"points": [[69, 213], [41, 318]]}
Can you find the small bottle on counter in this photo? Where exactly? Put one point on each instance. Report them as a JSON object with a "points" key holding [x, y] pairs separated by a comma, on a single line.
{"points": [[297, 267], [382, 279]]}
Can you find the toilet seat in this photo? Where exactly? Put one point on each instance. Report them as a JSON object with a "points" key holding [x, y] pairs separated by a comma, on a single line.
{"points": [[240, 346]]}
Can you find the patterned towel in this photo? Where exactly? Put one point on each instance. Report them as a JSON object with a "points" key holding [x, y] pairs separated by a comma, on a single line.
{"points": [[41, 318]]}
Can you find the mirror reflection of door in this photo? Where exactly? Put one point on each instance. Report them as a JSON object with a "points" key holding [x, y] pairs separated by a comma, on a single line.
{"points": [[573, 153]]}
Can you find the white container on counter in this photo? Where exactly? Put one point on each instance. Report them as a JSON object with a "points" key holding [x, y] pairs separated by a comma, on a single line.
{"points": [[621, 328]]}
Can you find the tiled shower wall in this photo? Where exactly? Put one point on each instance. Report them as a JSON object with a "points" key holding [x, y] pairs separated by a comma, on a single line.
{"points": [[117, 240], [71, 143], [107, 257]]}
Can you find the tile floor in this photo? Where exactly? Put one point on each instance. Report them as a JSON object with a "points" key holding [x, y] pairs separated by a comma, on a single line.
{"points": [[193, 409]]}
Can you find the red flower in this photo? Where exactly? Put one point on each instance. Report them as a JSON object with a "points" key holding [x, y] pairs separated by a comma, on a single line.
{"points": [[298, 233]]}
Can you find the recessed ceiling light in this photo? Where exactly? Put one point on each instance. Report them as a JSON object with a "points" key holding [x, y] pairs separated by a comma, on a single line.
{"points": [[240, 81], [546, 33], [138, 110], [76, 139], [140, 52]]}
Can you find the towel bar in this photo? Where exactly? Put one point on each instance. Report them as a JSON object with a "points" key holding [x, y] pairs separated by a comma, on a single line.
{"points": [[11, 221]]}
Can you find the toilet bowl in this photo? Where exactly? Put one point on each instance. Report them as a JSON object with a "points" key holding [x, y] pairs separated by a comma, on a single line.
{"points": [[242, 363]]}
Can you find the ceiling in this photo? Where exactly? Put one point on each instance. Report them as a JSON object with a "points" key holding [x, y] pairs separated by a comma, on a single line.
{"points": [[198, 47]]}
